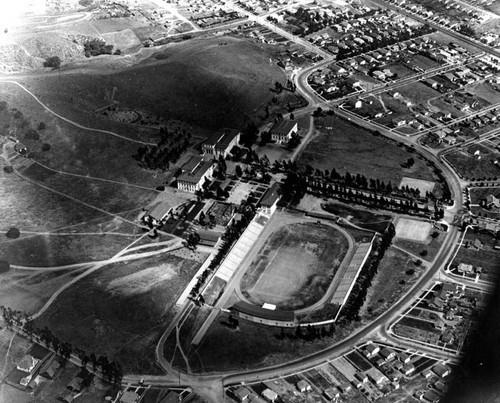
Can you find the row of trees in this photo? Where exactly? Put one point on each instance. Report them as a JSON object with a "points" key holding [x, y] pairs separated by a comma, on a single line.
{"points": [[170, 147], [112, 371], [307, 333]]}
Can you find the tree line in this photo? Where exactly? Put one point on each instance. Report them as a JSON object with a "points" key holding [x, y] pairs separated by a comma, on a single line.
{"points": [[168, 150]]}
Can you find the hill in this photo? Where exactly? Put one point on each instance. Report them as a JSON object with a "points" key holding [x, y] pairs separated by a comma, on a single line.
{"points": [[208, 82]]}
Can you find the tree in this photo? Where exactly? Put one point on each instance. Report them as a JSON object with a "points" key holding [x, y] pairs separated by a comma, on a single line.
{"points": [[41, 126], [4, 266], [424, 253], [52, 61], [238, 171], [13, 233]]}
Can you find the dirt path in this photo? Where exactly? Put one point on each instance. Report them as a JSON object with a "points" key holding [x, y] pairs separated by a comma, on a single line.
{"points": [[96, 178], [73, 122]]}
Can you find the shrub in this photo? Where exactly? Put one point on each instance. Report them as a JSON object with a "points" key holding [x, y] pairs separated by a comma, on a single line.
{"points": [[45, 147], [8, 169], [13, 233], [52, 61], [42, 126], [4, 266], [410, 272]]}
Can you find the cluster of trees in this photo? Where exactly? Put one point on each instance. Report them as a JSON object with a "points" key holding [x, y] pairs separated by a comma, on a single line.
{"points": [[307, 333], [96, 47], [350, 310], [169, 149], [112, 371], [232, 233], [52, 61], [249, 135]]}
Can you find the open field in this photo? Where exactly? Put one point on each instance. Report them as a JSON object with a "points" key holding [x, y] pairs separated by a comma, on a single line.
{"points": [[295, 266], [350, 149], [121, 310], [423, 186], [28, 290], [254, 346], [413, 230], [417, 92], [390, 282], [426, 250], [470, 167], [360, 217], [221, 86]]}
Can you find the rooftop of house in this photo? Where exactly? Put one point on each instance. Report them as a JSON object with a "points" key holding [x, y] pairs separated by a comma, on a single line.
{"points": [[270, 196]]}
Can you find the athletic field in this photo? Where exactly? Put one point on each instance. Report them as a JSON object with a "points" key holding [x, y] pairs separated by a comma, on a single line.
{"points": [[413, 230], [295, 265]]}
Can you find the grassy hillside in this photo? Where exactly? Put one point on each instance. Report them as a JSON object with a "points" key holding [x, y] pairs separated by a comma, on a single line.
{"points": [[200, 81]]}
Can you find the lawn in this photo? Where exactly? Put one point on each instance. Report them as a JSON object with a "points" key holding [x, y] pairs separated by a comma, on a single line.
{"points": [[295, 266], [390, 282], [431, 246], [479, 193], [121, 310], [485, 91], [198, 81], [340, 145], [418, 92]]}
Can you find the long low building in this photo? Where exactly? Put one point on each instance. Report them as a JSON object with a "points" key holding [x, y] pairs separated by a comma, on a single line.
{"points": [[351, 275], [272, 317]]}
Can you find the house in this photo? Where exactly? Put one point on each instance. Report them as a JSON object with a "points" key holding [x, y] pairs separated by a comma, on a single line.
{"points": [[441, 370], [477, 245], [50, 371], [362, 377], [68, 398], [129, 397], [157, 214], [430, 396], [27, 364], [371, 350], [404, 358], [242, 393], [194, 174], [358, 104], [378, 75], [283, 131], [492, 201], [76, 384], [331, 393], [270, 395], [303, 386], [408, 369], [427, 373], [345, 387], [221, 142], [387, 353], [270, 200], [465, 268]]}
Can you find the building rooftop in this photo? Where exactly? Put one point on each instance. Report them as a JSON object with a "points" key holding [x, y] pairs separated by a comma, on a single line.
{"points": [[270, 196], [257, 311], [222, 138], [160, 210], [194, 170], [283, 127]]}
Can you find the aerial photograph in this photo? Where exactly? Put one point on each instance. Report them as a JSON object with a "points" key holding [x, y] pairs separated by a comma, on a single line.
{"points": [[220, 201]]}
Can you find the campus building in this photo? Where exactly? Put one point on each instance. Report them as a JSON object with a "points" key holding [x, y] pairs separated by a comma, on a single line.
{"points": [[194, 174], [270, 199], [221, 142], [283, 131]]}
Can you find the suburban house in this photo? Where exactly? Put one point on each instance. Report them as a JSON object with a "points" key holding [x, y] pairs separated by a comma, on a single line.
{"points": [[27, 363], [270, 395], [371, 350], [221, 142], [283, 131], [492, 201], [130, 396], [242, 393], [441, 370], [303, 386], [194, 174], [270, 200]]}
